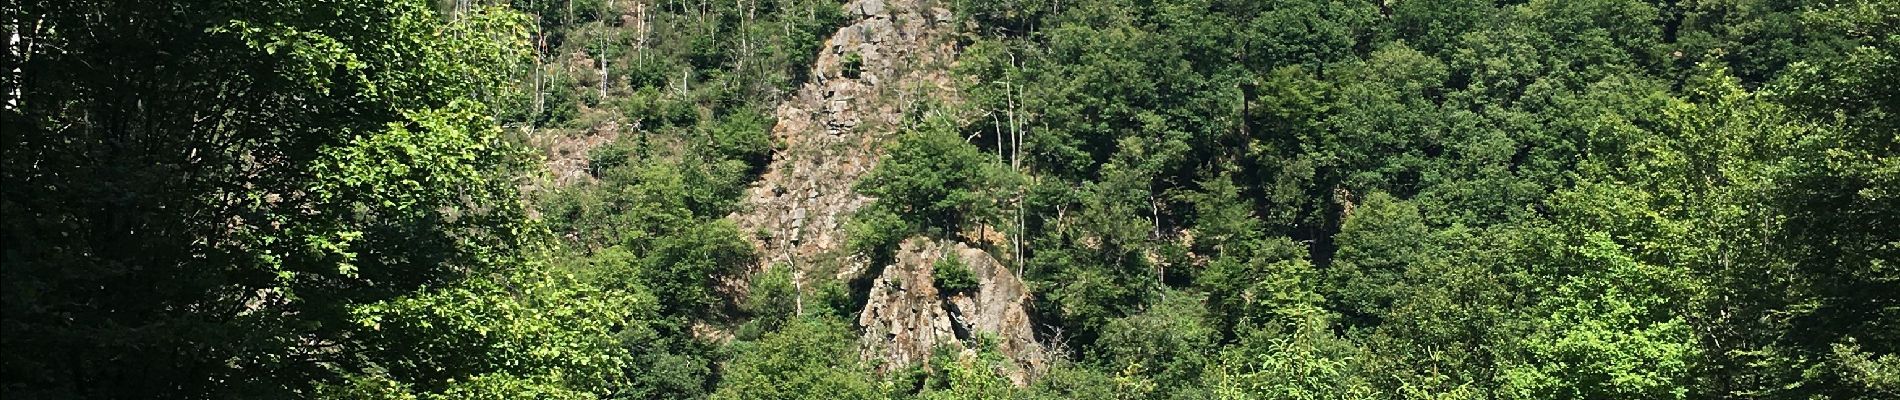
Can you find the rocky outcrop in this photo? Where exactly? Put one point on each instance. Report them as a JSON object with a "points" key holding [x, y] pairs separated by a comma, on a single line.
{"points": [[897, 53], [831, 128], [567, 152], [906, 315]]}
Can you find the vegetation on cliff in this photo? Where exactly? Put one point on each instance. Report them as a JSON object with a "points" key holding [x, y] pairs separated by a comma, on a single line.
{"points": [[412, 199]]}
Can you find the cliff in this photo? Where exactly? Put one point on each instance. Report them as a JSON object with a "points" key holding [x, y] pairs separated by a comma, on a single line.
{"points": [[894, 56]]}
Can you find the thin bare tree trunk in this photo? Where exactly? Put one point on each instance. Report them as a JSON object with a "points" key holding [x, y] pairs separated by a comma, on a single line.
{"points": [[602, 41]]}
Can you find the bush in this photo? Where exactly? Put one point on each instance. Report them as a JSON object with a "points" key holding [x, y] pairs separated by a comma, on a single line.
{"points": [[771, 302], [853, 65], [932, 179], [952, 276], [683, 268], [875, 232], [810, 357]]}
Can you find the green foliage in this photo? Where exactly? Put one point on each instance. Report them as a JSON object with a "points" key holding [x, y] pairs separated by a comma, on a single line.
{"points": [[1608, 333], [442, 339], [1596, 199], [930, 181], [655, 227], [715, 59], [951, 276], [1877, 375], [684, 267], [1090, 291], [969, 374], [931, 176], [1169, 343], [772, 300], [1433, 25], [852, 66], [875, 232], [810, 357], [1218, 199], [742, 140], [1269, 282], [1305, 362], [1379, 245], [1067, 380], [497, 387], [206, 192], [1223, 220]]}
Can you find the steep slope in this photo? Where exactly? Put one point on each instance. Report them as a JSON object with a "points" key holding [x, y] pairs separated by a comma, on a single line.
{"points": [[907, 315], [868, 77]]}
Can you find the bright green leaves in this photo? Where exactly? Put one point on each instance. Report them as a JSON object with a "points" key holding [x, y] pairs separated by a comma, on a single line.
{"points": [[977, 372], [407, 58], [1165, 346], [431, 160], [1267, 283], [503, 387], [649, 225], [493, 43], [313, 56], [1301, 361], [930, 175], [432, 179], [1430, 303], [1613, 330], [810, 357], [952, 276], [684, 267], [338, 247], [929, 182], [273, 167], [507, 335], [1879, 375]]}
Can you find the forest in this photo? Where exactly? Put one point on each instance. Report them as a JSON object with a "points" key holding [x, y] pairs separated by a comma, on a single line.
{"points": [[950, 199]]}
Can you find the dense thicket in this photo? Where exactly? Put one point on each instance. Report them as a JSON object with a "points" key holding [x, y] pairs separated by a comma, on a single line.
{"points": [[1543, 199], [1209, 199], [268, 198], [681, 92]]}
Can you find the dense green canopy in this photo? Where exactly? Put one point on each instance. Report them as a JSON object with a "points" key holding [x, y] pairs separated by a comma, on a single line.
{"points": [[1546, 199]]}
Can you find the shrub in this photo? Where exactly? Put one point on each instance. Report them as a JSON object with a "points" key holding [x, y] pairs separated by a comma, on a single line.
{"points": [[852, 66], [952, 275]]}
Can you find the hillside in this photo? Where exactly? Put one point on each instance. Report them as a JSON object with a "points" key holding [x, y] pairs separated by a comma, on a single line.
{"points": [[951, 199]]}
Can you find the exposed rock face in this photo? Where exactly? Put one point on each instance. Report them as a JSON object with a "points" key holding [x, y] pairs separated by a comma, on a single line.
{"points": [[831, 130], [904, 318], [567, 152], [907, 316], [1000, 307], [832, 127]]}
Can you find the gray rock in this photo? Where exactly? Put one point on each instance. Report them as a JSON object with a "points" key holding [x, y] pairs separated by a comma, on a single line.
{"points": [[998, 308], [871, 7]]}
